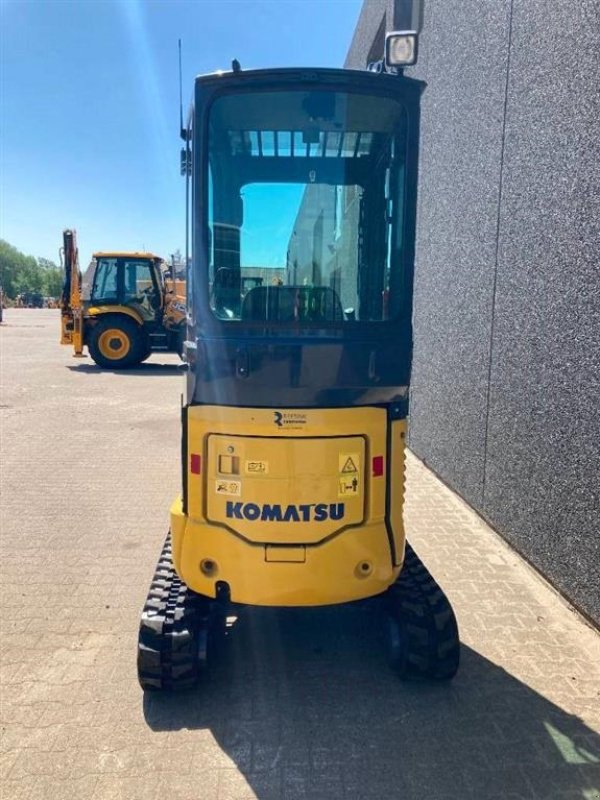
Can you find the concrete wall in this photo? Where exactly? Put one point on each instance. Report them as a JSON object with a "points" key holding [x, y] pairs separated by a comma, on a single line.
{"points": [[506, 380]]}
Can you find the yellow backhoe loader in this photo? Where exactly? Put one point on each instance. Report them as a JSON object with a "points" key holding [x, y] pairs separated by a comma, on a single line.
{"points": [[133, 307]]}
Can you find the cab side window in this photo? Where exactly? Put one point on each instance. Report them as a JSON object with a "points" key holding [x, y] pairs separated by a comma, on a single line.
{"points": [[105, 286], [138, 280], [139, 289]]}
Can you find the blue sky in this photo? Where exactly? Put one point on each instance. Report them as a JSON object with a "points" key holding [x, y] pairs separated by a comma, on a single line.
{"points": [[90, 103]]}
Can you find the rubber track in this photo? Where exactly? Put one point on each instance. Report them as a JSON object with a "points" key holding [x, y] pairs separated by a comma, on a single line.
{"points": [[173, 630], [429, 640]]}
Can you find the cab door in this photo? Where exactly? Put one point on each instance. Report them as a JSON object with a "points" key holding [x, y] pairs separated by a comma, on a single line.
{"points": [[141, 289]]}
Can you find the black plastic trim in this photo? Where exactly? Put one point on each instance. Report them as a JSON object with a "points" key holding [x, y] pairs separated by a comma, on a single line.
{"points": [[388, 491], [184, 458]]}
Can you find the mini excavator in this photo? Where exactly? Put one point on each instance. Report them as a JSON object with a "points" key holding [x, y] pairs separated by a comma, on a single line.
{"points": [[295, 413]]}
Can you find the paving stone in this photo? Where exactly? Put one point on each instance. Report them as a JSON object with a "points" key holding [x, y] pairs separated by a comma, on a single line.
{"points": [[303, 706]]}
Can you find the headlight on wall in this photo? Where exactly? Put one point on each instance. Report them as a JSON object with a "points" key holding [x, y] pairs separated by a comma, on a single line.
{"points": [[400, 49]]}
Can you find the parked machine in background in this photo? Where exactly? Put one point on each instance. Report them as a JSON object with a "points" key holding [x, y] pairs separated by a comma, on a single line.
{"points": [[30, 300], [133, 308]]}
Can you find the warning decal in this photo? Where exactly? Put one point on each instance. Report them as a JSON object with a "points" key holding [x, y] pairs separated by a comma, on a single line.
{"points": [[348, 486], [231, 488], [257, 467], [349, 463]]}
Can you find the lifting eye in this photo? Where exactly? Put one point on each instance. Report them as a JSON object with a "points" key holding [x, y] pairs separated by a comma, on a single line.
{"points": [[363, 569], [208, 567]]}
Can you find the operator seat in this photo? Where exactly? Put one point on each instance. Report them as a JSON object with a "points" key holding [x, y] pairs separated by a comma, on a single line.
{"points": [[290, 303]]}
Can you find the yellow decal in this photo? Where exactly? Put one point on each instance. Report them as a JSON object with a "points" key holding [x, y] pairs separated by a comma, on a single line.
{"points": [[349, 463], [257, 467], [230, 488], [348, 486]]}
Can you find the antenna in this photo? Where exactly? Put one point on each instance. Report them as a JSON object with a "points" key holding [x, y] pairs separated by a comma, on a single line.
{"points": [[182, 131]]}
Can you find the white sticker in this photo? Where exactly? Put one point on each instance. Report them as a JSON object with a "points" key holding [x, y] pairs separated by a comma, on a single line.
{"points": [[292, 420], [230, 488]]}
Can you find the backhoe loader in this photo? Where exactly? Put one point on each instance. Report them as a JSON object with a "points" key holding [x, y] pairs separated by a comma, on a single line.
{"points": [[295, 413], [133, 308]]}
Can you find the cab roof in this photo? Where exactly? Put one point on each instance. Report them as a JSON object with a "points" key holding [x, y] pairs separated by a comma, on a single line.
{"points": [[124, 254], [358, 78]]}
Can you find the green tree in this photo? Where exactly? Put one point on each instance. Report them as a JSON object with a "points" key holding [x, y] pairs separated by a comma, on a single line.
{"points": [[53, 277], [20, 273], [53, 281]]}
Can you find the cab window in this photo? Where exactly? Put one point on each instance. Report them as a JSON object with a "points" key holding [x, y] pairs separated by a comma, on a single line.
{"points": [[106, 287], [139, 281], [306, 207]]}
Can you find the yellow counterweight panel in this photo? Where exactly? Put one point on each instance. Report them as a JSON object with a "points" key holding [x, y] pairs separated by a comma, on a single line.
{"points": [[301, 473], [348, 567], [288, 507]]}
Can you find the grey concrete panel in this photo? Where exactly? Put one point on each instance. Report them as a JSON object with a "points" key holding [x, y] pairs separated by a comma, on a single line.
{"points": [[465, 67], [367, 40], [506, 378], [542, 487], [371, 16]]}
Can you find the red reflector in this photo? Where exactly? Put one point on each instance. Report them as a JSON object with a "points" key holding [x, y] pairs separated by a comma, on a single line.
{"points": [[195, 464], [377, 466]]}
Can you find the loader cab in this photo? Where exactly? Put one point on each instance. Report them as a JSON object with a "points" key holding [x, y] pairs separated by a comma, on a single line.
{"points": [[134, 280]]}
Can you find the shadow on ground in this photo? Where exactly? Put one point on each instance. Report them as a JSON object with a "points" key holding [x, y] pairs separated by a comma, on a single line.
{"points": [[303, 703], [142, 370]]}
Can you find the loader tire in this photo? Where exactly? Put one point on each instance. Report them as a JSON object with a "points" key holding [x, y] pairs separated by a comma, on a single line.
{"points": [[146, 351], [424, 640], [116, 343]]}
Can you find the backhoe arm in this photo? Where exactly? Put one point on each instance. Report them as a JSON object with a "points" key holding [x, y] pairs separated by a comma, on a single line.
{"points": [[71, 307]]}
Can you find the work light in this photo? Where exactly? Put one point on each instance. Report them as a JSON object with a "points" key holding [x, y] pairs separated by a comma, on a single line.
{"points": [[400, 49]]}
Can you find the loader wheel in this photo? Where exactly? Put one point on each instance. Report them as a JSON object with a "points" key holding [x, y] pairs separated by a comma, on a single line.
{"points": [[116, 343], [147, 352], [424, 641]]}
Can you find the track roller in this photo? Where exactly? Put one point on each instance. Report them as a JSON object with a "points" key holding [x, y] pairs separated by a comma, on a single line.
{"points": [[175, 626], [424, 641]]}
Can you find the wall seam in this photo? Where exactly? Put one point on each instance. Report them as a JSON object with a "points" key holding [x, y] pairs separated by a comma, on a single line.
{"points": [[421, 173], [495, 279]]}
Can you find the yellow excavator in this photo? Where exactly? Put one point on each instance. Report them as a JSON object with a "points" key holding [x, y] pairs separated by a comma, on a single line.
{"points": [[133, 308], [296, 408]]}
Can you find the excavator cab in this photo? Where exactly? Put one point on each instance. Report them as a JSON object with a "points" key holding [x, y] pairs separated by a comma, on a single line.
{"points": [[295, 415]]}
